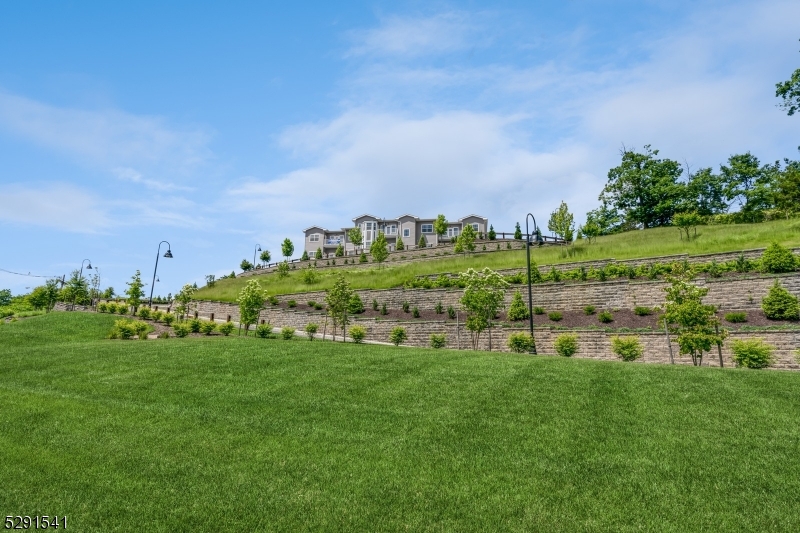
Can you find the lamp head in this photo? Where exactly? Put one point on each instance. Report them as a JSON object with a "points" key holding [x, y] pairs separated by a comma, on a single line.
{"points": [[89, 266], [168, 254], [259, 248]]}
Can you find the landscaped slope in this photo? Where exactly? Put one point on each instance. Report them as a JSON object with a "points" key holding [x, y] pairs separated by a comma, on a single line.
{"points": [[634, 244], [235, 434]]}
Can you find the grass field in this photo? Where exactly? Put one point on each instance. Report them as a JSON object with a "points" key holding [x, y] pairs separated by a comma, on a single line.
{"points": [[235, 434], [630, 245]]}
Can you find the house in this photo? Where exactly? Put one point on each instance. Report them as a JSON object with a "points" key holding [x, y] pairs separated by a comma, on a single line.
{"points": [[407, 227]]}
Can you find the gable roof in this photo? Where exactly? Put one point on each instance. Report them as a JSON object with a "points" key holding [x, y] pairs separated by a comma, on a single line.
{"points": [[314, 227], [469, 216], [407, 215], [366, 215]]}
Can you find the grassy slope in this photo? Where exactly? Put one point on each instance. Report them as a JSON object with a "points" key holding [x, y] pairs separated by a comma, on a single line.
{"points": [[234, 434], [634, 244]]}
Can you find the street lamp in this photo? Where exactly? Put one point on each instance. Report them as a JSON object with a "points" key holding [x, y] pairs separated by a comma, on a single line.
{"points": [[80, 277], [528, 245], [168, 255], [257, 249]]}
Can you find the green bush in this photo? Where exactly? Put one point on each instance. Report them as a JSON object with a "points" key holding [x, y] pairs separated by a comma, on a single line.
{"points": [[111, 307], [287, 333], [157, 316], [780, 304], [555, 316], [311, 329], [736, 317], [355, 306], [318, 306], [123, 329], [181, 329], [291, 304], [312, 303], [398, 335], [264, 331], [273, 300], [588, 310], [439, 308], [415, 312], [628, 348], [226, 328], [538, 310], [451, 312], [144, 312], [363, 258], [207, 327], [438, 340], [566, 344], [642, 311], [194, 325], [169, 318], [374, 304], [776, 259], [517, 310], [122, 309], [384, 311], [520, 342], [406, 307], [752, 353], [605, 317], [102, 308], [358, 333], [163, 335]]}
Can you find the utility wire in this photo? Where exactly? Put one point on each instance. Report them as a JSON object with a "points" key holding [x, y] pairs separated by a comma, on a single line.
{"points": [[28, 274]]}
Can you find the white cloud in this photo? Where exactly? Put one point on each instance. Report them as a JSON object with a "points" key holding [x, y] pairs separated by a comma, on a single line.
{"points": [[132, 175], [54, 205]]}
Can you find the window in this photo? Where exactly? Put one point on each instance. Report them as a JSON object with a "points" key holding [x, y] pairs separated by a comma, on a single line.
{"points": [[427, 228], [391, 230], [314, 237], [452, 232], [475, 226], [406, 232]]}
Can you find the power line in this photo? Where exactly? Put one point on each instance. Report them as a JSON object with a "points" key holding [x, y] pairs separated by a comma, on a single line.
{"points": [[27, 275]]}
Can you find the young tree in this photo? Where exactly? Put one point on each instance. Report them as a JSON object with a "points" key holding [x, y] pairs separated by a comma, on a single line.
{"points": [[134, 292], [356, 237], [5, 297], [422, 242], [304, 257], [318, 255], [590, 230], [246, 265], [265, 256], [44, 296], [518, 310], [211, 280], [184, 299], [562, 223], [686, 222], [283, 269], [787, 189], [340, 251], [310, 275], [108, 294], [518, 232], [789, 91], [492, 234], [399, 246], [338, 299], [76, 289], [251, 300], [440, 227], [287, 248], [484, 296], [466, 241], [379, 249]]}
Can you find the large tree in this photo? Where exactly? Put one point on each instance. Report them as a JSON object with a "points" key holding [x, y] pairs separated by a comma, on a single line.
{"points": [[787, 189], [705, 193], [789, 92], [747, 183]]}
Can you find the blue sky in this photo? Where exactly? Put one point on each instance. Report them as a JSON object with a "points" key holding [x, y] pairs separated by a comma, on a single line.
{"points": [[217, 126]]}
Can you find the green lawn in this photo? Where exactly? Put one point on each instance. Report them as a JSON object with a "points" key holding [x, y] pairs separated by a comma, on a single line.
{"points": [[235, 434], [629, 245]]}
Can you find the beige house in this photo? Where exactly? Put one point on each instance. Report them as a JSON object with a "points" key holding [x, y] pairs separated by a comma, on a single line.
{"points": [[409, 228]]}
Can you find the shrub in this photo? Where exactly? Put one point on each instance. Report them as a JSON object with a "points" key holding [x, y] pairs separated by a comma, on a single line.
{"points": [[439, 308], [169, 318], [363, 258], [226, 328], [398, 335], [405, 307], [181, 329], [291, 304], [451, 312], [438, 340], [144, 312], [318, 306], [588, 310], [520, 342], [157, 316], [355, 305], [207, 327], [264, 331], [628, 348], [384, 311], [780, 304], [517, 310], [538, 310], [358, 333], [555, 316], [287, 333], [163, 335], [310, 329], [111, 307], [736, 317], [102, 308], [415, 312], [123, 329], [642, 311], [311, 303], [605, 317], [194, 325], [566, 344], [374, 304], [273, 300], [778, 259], [122, 309], [752, 353]]}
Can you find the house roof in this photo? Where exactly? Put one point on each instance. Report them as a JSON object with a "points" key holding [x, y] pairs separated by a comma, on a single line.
{"points": [[407, 215], [314, 227], [366, 215], [469, 216]]}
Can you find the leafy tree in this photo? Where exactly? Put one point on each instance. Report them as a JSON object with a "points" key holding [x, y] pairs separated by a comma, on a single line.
{"points": [[356, 237], [318, 255], [287, 248], [265, 256], [484, 296], [246, 265], [693, 321], [283, 269], [251, 300], [44, 296], [748, 183], [645, 188], [338, 300], [606, 219], [440, 227], [466, 241], [399, 246], [562, 223], [492, 233], [422, 242], [789, 91], [518, 232], [304, 257], [705, 193], [379, 249], [686, 222], [134, 292], [108, 294], [518, 310], [183, 299], [340, 251], [590, 230], [787, 189], [75, 289], [5, 297], [211, 280]]}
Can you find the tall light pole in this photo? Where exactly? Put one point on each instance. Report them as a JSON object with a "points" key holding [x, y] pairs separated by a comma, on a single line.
{"points": [[168, 255], [80, 277], [528, 245], [257, 249]]}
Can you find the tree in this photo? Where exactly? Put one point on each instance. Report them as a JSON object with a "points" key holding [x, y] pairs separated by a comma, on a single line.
{"points": [[246, 265], [379, 249], [318, 255], [340, 251], [590, 230], [283, 269], [789, 91], [518, 232], [44, 296], [746, 182], [422, 242], [644, 188], [356, 237], [518, 310], [484, 296], [310, 275], [399, 246], [440, 227], [607, 219], [265, 256], [686, 222], [492, 234], [304, 257], [787, 189], [287, 248], [5, 297], [251, 300], [466, 241], [109, 293], [562, 223], [705, 193], [693, 321], [76, 289], [338, 299], [183, 298], [135, 292]]}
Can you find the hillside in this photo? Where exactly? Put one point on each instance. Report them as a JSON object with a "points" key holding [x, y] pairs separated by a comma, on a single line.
{"points": [[635, 244]]}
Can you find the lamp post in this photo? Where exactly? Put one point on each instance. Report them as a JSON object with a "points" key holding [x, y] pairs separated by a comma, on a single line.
{"points": [[257, 249], [528, 245], [80, 277], [168, 255]]}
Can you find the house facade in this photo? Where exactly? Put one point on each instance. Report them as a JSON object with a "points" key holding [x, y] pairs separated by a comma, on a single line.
{"points": [[407, 227]]}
